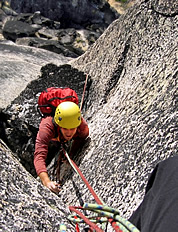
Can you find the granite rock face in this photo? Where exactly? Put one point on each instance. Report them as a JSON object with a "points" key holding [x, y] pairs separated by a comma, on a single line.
{"points": [[133, 104], [21, 64], [131, 109], [25, 205]]}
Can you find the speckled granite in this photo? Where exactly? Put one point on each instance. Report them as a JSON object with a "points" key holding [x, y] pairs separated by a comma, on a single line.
{"points": [[25, 205], [131, 111]]}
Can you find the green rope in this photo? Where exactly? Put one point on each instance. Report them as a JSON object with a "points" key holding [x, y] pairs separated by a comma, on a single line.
{"points": [[111, 213], [103, 213]]}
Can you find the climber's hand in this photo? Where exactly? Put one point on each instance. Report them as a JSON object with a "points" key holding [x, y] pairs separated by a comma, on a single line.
{"points": [[53, 186]]}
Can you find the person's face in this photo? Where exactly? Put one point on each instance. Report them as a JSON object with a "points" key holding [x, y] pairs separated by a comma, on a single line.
{"points": [[68, 133]]}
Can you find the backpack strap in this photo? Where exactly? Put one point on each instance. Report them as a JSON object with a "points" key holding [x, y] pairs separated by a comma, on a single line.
{"points": [[61, 98], [55, 128], [53, 108]]}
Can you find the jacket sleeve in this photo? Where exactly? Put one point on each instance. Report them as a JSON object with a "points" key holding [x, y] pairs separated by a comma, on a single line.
{"points": [[79, 138], [45, 134]]}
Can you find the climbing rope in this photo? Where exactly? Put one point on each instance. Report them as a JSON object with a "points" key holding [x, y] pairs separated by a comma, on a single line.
{"points": [[81, 104], [77, 170], [103, 213]]}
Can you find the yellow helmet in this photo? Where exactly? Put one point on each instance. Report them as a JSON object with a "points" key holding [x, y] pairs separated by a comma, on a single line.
{"points": [[67, 115]]}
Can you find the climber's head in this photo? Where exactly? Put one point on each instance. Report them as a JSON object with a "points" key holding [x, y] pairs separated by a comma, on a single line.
{"points": [[68, 118]]}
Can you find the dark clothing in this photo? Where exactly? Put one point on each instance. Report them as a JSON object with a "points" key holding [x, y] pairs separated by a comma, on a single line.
{"points": [[159, 210]]}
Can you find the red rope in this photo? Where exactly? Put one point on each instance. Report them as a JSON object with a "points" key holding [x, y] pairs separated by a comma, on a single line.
{"points": [[91, 224], [77, 227], [84, 92], [113, 223], [87, 184]]}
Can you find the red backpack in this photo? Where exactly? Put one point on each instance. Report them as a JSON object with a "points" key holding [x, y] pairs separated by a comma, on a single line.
{"points": [[50, 98]]}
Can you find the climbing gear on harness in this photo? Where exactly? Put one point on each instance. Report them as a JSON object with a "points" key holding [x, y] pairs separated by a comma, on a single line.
{"points": [[68, 115]]}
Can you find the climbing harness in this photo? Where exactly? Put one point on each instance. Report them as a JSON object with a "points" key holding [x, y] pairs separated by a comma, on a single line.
{"points": [[103, 213]]}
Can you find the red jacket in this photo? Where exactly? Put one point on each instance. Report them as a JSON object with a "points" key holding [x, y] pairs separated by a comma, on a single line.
{"points": [[47, 132]]}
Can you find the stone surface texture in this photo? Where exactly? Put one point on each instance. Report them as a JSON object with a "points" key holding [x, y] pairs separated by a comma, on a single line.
{"points": [[131, 110], [132, 114], [21, 64], [25, 205]]}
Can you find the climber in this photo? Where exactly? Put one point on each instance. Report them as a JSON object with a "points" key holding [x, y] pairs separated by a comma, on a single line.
{"points": [[67, 126]]}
